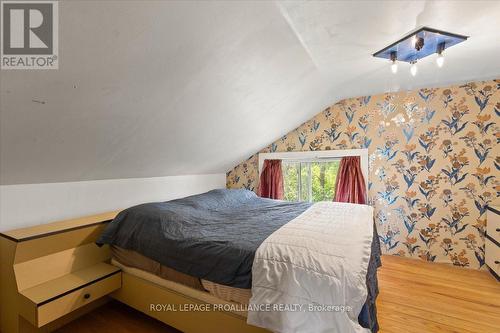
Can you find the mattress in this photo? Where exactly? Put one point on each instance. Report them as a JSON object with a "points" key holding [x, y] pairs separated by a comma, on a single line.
{"points": [[132, 259], [227, 293]]}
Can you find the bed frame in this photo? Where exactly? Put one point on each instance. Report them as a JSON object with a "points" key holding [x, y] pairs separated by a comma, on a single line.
{"points": [[60, 250], [140, 294]]}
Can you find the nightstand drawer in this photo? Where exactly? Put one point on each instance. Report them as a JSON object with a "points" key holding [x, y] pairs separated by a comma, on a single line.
{"points": [[76, 299], [49, 301], [492, 253], [493, 223]]}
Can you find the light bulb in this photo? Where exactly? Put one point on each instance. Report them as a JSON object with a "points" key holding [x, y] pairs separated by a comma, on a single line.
{"points": [[413, 69], [394, 67], [440, 60]]}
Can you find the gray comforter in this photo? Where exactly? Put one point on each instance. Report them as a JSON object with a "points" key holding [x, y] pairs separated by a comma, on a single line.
{"points": [[214, 236]]}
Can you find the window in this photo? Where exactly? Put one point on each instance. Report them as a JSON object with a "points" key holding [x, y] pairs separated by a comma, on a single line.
{"points": [[311, 175], [310, 180]]}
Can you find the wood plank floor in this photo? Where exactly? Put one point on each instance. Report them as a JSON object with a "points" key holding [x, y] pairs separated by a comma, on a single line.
{"points": [[415, 297], [116, 317]]}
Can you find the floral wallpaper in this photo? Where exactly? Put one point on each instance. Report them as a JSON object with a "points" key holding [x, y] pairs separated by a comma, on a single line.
{"points": [[434, 165]]}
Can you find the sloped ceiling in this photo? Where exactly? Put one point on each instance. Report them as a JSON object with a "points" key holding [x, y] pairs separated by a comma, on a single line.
{"points": [[156, 88]]}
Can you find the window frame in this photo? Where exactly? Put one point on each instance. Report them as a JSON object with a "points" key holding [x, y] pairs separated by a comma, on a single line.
{"points": [[318, 156], [308, 162]]}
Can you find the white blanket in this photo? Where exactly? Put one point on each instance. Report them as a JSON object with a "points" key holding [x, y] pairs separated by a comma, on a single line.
{"points": [[308, 273]]}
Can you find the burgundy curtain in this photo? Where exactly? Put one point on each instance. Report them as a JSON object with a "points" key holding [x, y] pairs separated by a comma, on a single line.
{"points": [[271, 180], [350, 186]]}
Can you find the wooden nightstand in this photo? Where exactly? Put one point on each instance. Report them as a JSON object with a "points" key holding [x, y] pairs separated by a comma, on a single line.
{"points": [[54, 272], [492, 246]]}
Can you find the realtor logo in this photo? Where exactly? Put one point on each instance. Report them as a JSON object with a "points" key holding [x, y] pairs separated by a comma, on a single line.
{"points": [[29, 38]]}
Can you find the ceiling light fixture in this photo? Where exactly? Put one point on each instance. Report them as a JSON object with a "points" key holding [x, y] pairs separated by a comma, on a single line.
{"points": [[394, 65], [413, 68], [440, 60], [417, 45], [440, 57]]}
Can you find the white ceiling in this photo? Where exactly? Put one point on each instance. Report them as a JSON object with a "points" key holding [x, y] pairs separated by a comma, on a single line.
{"points": [[170, 88]]}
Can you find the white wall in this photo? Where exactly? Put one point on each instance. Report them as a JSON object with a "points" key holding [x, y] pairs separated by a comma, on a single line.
{"points": [[31, 204]]}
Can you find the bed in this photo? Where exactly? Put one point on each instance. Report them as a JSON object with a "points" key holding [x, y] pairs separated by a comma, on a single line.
{"points": [[206, 247]]}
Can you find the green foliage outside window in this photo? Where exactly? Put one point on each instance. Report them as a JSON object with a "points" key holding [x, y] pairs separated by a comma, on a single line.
{"points": [[316, 181]]}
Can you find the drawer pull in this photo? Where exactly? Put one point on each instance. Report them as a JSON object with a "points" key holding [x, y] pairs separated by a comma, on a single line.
{"points": [[497, 262], [498, 230], [86, 296]]}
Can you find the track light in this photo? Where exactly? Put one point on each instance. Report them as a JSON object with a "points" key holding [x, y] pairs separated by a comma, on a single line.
{"points": [[440, 60], [413, 68], [394, 65], [440, 57]]}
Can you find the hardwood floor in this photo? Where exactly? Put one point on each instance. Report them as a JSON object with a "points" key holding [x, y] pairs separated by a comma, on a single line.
{"points": [[116, 317], [415, 297]]}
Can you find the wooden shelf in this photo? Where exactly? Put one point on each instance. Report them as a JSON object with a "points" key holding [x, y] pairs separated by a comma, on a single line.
{"points": [[54, 272], [44, 230], [53, 289]]}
